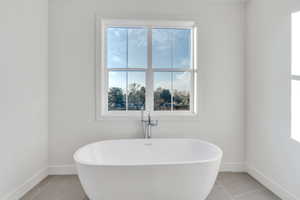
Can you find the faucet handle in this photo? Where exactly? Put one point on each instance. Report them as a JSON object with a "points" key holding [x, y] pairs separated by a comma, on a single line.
{"points": [[154, 123]]}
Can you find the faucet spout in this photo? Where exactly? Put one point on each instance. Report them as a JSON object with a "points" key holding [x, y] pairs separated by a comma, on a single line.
{"points": [[147, 125]]}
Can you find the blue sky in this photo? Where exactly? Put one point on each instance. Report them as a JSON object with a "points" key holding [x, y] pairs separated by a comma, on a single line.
{"points": [[128, 48]]}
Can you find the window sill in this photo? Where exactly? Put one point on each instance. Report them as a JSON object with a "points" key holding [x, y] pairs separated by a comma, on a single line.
{"points": [[181, 116], [295, 139]]}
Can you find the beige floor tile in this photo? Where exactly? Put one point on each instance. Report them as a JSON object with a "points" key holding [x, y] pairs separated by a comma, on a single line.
{"points": [[61, 188], [260, 195], [33, 193], [219, 193], [230, 177], [240, 183]]}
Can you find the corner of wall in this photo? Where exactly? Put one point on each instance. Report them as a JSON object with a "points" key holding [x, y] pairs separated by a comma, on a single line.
{"points": [[27, 185], [272, 185]]}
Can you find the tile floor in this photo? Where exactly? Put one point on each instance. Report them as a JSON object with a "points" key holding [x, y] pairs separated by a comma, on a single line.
{"points": [[229, 186]]}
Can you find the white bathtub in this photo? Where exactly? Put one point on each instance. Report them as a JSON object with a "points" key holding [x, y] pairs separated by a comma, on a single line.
{"points": [[148, 169]]}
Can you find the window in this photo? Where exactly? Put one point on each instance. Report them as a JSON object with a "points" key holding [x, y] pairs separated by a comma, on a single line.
{"points": [[147, 65], [295, 78]]}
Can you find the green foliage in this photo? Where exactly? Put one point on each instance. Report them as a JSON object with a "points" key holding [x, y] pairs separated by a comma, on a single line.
{"points": [[162, 99], [136, 98], [181, 100], [116, 99]]}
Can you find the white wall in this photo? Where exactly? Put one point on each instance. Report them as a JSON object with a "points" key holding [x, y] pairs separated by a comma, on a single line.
{"points": [[272, 156], [72, 74], [23, 98]]}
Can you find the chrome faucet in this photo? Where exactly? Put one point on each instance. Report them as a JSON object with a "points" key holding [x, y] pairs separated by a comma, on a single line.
{"points": [[147, 125]]}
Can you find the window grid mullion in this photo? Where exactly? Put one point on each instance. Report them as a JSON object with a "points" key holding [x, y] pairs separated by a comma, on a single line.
{"points": [[156, 70], [172, 92], [149, 73], [194, 71], [172, 66], [126, 71], [173, 70], [126, 97]]}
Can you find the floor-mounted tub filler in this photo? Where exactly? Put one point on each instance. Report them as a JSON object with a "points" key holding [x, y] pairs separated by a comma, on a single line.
{"points": [[148, 169]]}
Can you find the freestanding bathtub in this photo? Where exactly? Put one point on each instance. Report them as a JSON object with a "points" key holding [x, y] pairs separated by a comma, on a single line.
{"points": [[148, 169]]}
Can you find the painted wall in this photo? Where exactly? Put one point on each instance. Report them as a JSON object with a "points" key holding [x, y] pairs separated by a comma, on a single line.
{"points": [[72, 74], [23, 98], [271, 154]]}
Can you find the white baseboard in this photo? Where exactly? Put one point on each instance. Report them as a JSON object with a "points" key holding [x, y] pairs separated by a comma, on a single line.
{"points": [[271, 184], [62, 170], [27, 185], [71, 169], [233, 167]]}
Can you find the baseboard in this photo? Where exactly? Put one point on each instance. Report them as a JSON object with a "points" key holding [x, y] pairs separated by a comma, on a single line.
{"points": [[27, 185], [271, 184], [232, 167], [62, 170]]}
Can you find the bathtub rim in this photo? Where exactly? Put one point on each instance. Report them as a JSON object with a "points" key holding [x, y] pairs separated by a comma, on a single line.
{"points": [[216, 158]]}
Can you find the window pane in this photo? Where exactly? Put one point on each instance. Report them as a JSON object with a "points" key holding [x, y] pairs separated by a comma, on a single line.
{"points": [[171, 48], [182, 48], [181, 90], [162, 90], [136, 90], [296, 43], [137, 48], [117, 91], [295, 110], [126, 47], [161, 48], [116, 48]]}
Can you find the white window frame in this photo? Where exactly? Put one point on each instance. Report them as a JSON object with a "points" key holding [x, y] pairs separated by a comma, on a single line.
{"points": [[102, 71], [294, 77]]}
